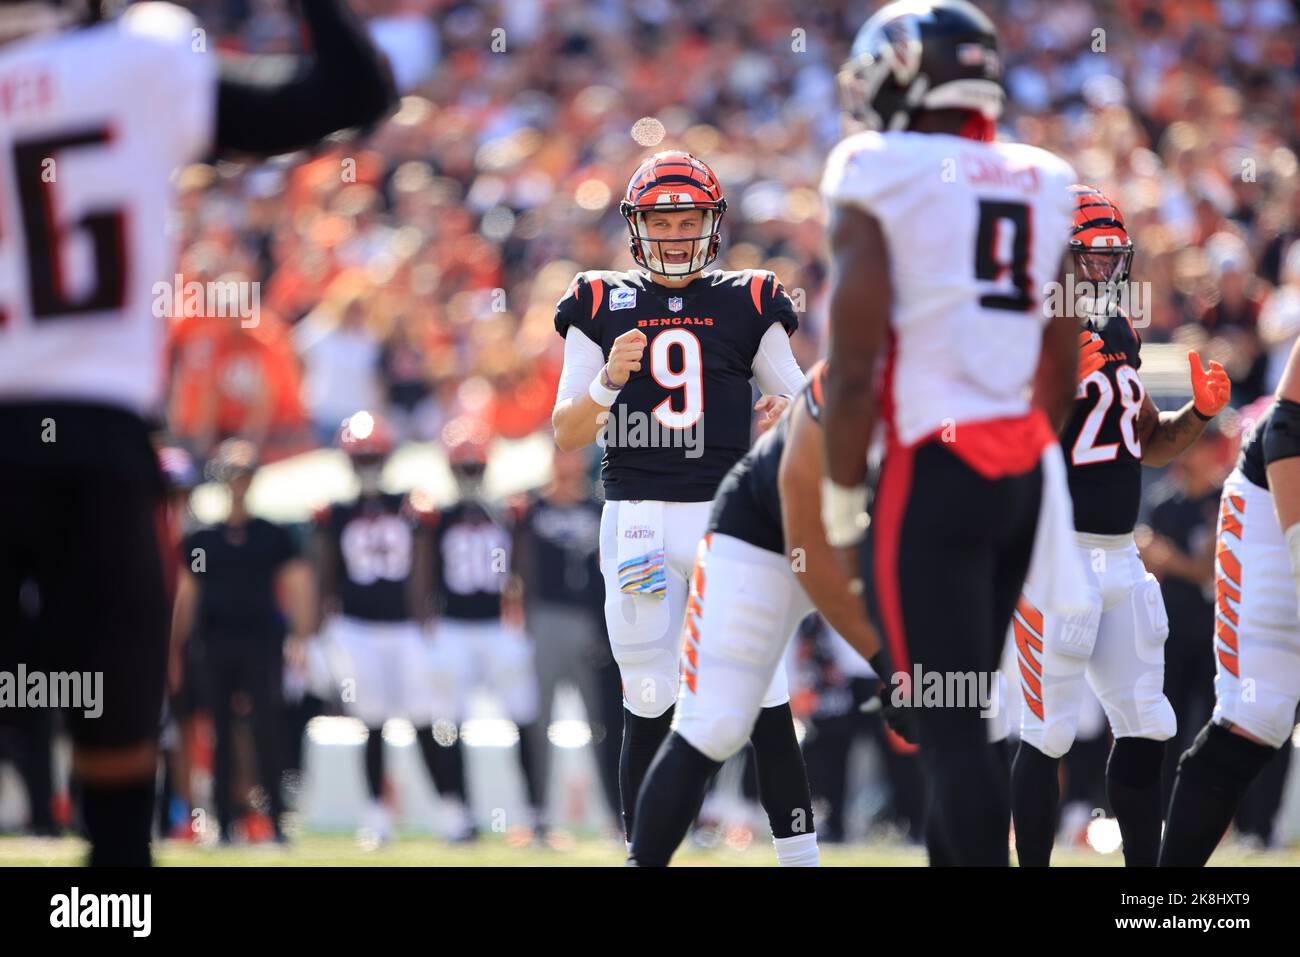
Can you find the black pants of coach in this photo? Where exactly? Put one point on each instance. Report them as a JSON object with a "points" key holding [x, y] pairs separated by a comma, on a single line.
{"points": [[946, 559], [254, 669]]}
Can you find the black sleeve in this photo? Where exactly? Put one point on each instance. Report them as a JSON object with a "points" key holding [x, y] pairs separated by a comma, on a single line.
{"points": [[273, 104], [1282, 434], [777, 306], [575, 309]]}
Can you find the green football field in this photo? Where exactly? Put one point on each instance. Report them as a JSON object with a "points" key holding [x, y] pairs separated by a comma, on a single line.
{"points": [[499, 851]]}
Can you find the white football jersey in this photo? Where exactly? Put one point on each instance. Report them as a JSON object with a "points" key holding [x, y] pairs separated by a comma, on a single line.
{"points": [[976, 231], [93, 122]]}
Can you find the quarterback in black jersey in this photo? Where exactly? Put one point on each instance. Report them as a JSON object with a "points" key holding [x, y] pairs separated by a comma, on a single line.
{"points": [[658, 363], [373, 554], [1117, 645], [1256, 633], [766, 559], [478, 635]]}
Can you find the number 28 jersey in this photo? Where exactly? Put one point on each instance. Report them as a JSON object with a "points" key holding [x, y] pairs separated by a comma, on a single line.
{"points": [[1100, 439], [684, 419], [976, 232]]}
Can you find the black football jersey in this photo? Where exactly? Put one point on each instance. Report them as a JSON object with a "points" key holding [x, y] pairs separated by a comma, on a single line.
{"points": [[684, 419], [1251, 461], [1100, 440], [748, 503], [374, 540], [560, 545], [473, 561]]}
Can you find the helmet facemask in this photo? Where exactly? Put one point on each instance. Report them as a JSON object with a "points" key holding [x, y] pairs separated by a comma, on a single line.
{"points": [[686, 255], [1100, 275]]}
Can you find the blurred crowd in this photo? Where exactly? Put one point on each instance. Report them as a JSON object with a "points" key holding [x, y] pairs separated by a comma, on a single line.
{"points": [[415, 269]]}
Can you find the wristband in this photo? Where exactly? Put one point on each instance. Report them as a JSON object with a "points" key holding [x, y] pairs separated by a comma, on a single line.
{"points": [[1199, 414], [600, 393], [844, 513]]}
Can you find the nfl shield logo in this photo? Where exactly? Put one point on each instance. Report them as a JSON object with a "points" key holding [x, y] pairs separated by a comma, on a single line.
{"points": [[675, 303]]}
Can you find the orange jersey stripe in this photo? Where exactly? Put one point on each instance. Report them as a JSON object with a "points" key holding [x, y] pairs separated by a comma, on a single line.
{"points": [[1227, 634], [1033, 704], [1027, 636], [1032, 616], [1223, 590], [1031, 680], [1229, 564], [1228, 661]]}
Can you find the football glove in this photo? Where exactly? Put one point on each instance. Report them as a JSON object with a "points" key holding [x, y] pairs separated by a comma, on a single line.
{"points": [[1210, 390]]}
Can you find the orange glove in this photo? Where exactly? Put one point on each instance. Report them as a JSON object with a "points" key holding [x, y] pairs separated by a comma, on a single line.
{"points": [[1090, 357], [1210, 390]]}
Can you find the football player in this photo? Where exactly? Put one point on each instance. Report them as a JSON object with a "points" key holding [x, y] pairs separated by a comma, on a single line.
{"points": [[762, 565], [1256, 633], [98, 114], [372, 555], [1116, 644], [657, 367], [478, 637], [943, 245]]}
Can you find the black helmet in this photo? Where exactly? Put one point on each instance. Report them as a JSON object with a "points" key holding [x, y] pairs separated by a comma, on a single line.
{"points": [[917, 55]]}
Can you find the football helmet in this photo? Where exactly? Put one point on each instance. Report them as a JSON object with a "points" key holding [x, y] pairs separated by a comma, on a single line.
{"points": [[466, 439], [674, 181], [1099, 240], [177, 467], [232, 459], [915, 55]]}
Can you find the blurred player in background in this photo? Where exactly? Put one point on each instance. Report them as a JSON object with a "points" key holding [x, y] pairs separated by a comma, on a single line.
{"points": [[241, 580], [763, 564], [554, 555], [943, 244], [373, 560], [478, 634], [114, 106], [1117, 644], [658, 363], [1256, 633]]}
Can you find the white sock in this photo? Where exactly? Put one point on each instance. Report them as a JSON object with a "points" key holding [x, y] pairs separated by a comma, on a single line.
{"points": [[798, 851]]}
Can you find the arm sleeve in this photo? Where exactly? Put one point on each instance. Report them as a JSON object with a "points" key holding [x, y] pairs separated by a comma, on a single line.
{"points": [[775, 367], [582, 362], [1282, 435], [270, 105]]}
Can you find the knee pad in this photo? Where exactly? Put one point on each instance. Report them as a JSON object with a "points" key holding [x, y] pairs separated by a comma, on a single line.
{"points": [[1263, 699], [643, 641], [717, 735], [1057, 736]]}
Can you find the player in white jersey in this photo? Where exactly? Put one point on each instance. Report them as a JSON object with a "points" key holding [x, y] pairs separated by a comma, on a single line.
{"points": [[943, 245], [95, 116], [1256, 633]]}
